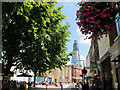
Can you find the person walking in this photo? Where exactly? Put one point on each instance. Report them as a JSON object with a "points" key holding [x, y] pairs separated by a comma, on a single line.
{"points": [[83, 86], [87, 85]]}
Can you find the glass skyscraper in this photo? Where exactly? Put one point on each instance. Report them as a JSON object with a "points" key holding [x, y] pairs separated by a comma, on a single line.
{"points": [[75, 58]]}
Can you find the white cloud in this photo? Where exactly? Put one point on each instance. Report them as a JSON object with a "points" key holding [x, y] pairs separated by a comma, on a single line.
{"points": [[82, 39], [78, 31], [81, 57]]}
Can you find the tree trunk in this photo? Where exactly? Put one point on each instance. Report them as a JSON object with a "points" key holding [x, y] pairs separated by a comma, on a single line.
{"points": [[7, 75], [34, 78]]}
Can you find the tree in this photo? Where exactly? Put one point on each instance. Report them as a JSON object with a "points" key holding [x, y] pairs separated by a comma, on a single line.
{"points": [[33, 38]]}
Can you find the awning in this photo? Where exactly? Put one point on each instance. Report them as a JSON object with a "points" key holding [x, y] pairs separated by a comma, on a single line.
{"points": [[24, 75]]}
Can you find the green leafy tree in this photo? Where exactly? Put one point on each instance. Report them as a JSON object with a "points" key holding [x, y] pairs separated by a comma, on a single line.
{"points": [[33, 38]]}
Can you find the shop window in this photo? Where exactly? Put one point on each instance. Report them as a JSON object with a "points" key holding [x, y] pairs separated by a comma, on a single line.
{"points": [[116, 63], [117, 21]]}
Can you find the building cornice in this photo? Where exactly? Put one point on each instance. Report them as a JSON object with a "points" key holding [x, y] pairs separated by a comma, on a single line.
{"points": [[115, 48]]}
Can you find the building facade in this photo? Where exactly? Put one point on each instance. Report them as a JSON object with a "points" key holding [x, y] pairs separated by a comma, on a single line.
{"points": [[76, 73], [108, 58], [57, 75]]}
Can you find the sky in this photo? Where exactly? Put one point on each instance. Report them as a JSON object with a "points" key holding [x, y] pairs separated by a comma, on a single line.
{"points": [[69, 10]]}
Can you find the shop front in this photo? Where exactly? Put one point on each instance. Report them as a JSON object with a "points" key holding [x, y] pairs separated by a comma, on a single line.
{"points": [[106, 71]]}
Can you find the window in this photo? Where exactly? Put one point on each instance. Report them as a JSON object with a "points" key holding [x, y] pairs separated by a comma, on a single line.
{"points": [[118, 23], [74, 74], [74, 70], [60, 77], [80, 71]]}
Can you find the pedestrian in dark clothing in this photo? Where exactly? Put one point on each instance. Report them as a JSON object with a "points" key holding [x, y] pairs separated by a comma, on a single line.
{"points": [[87, 86], [83, 86], [77, 86]]}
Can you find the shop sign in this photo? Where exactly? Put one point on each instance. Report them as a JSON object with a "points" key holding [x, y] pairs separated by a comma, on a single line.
{"points": [[87, 67], [94, 65], [92, 62]]}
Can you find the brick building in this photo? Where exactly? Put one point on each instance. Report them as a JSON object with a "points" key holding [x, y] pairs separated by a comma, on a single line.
{"points": [[76, 72]]}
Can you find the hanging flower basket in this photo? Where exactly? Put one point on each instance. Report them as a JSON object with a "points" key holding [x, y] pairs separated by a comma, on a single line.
{"points": [[95, 18]]}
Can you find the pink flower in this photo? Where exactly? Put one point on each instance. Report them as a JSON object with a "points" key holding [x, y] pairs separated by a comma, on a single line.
{"points": [[87, 25], [82, 32], [99, 21], [90, 17], [91, 25], [97, 15], [108, 15], [104, 15], [94, 16], [87, 20], [101, 36], [96, 22], [104, 10], [108, 8], [92, 37], [82, 20], [98, 26], [91, 12], [78, 23], [92, 21], [86, 29], [107, 26], [78, 3], [88, 13], [91, 7], [81, 29], [97, 10]]}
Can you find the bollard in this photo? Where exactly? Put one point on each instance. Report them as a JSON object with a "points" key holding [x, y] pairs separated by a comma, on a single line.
{"points": [[75, 87], [26, 88], [61, 87], [46, 86]]}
